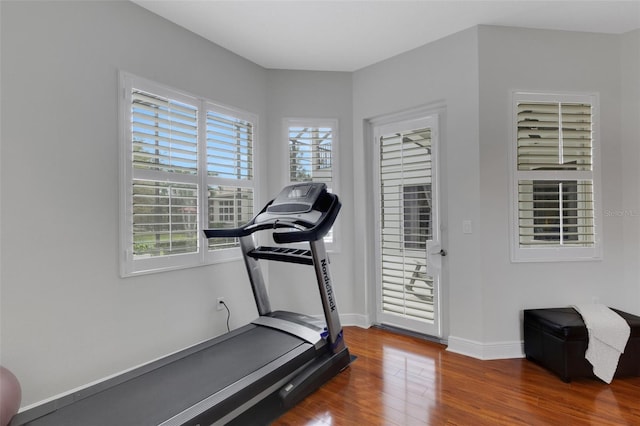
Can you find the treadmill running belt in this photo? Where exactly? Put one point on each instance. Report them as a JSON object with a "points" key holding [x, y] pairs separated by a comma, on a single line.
{"points": [[160, 394]]}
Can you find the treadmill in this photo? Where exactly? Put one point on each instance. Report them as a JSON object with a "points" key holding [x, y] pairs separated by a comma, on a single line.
{"points": [[250, 375]]}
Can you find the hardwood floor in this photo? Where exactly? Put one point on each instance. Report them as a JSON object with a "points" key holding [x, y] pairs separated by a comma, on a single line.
{"points": [[401, 380]]}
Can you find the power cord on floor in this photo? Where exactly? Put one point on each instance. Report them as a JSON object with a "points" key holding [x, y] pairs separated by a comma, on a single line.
{"points": [[228, 313]]}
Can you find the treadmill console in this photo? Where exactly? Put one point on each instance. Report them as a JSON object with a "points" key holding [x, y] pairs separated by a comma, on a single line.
{"points": [[298, 198], [300, 212], [295, 204]]}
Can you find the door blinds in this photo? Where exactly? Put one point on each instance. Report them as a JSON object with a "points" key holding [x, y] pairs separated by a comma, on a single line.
{"points": [[406, 212]]}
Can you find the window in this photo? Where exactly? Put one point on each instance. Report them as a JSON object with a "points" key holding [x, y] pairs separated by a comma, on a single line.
{"points": [[311, 156], [555, 211], [417, 216], [225, 211], [555, 172], [185, 162], [312, 147]]}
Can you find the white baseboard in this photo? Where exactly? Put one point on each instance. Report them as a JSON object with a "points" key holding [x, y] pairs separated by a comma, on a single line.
{"points": [[474, 349], [486, 351], [357, 320]]}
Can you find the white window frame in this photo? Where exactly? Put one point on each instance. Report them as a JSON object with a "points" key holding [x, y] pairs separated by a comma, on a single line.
{"points": [[554, 253], [130, 266], [332, 242]]}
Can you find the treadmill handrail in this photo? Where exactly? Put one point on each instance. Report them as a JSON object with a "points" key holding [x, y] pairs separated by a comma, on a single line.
{"points": [[303, 231], [315, 232]]}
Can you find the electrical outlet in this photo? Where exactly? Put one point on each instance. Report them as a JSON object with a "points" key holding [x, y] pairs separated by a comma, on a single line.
{"points": [[219, 303]]}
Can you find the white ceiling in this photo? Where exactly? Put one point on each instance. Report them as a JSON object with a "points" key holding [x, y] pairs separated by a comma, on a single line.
{"points": [[348, 35]]}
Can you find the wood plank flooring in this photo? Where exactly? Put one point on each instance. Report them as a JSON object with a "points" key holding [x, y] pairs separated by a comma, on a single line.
{"points": [[401, 380]]}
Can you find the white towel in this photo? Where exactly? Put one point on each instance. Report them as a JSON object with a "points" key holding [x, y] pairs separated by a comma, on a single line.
{"points": [[608, 336]]}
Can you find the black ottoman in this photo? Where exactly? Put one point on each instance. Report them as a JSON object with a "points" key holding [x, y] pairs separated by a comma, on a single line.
{"points": [[557, 339]]}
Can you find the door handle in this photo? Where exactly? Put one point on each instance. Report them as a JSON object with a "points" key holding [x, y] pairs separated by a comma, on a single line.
{"points": [[442, 252]]}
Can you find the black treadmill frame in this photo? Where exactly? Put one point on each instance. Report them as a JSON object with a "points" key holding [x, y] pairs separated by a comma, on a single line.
{"points": [[263, 394]]}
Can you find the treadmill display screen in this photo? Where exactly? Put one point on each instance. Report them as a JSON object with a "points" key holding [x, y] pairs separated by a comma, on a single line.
{"points": [[297, 198], [299, 191]]}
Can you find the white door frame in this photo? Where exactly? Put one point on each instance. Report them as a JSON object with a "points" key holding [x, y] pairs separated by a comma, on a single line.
{"points": [[399, 123]]}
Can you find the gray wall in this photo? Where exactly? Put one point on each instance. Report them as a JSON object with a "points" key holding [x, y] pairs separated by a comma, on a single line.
{"points": [[67, 317], [443, 72], [628, 213], [311, 94], [519, 59]]}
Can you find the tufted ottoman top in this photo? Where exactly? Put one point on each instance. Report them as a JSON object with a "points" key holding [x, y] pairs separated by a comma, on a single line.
{"points": [[567, 324]]}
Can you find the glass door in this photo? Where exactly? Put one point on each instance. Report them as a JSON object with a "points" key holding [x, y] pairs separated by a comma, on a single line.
{"points": [[408, 248]]}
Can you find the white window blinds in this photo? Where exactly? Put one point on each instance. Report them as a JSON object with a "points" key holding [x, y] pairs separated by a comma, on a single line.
{"points": [[230, 174], [554, 172], [405, 211], [164, 145], [554, 136], [229, 147], [165, 134], [311, 154], [311, 150], [188, 165], [165, 218]]}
